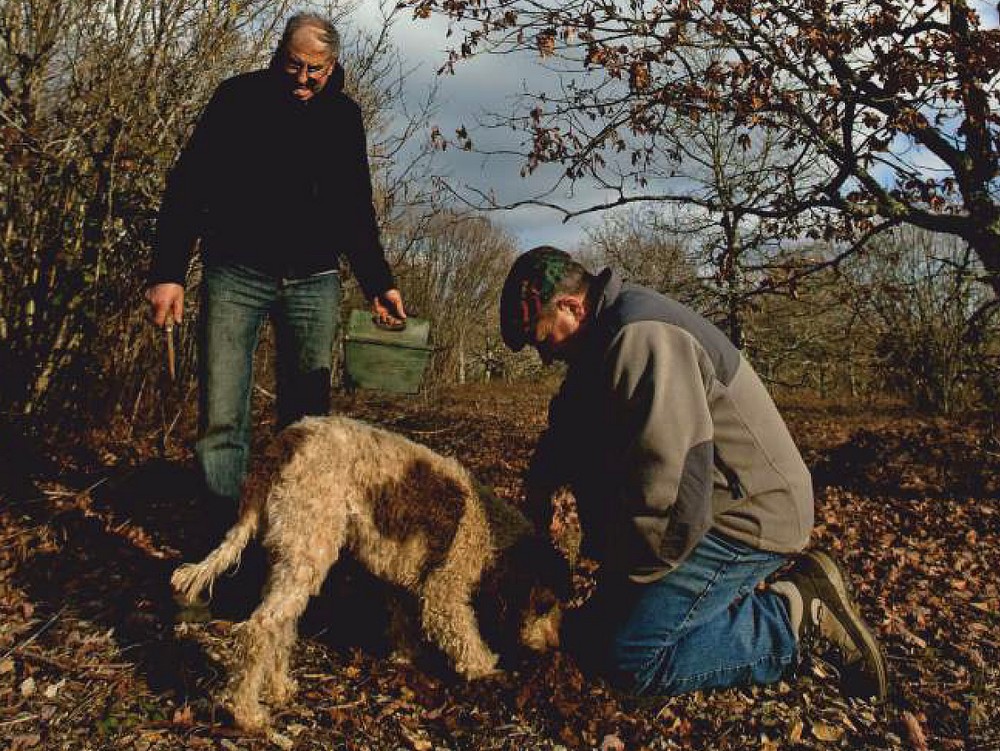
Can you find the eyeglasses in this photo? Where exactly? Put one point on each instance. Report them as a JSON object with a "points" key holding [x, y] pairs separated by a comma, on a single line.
{"points": [[295, 68]]}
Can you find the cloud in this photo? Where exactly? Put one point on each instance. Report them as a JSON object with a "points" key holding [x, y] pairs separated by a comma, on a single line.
{"points": [[483, 86]]}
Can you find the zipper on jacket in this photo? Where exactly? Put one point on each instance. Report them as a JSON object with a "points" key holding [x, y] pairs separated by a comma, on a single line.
{"points": [[732, 479]]}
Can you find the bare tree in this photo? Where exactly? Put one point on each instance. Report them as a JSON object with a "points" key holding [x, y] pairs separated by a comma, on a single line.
{"points": [[453, 276], [935, 326], [814, 343], [648, 248], [732, 174]]}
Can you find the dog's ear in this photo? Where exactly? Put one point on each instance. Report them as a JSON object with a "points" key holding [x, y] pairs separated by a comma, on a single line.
{"points": [[507, 524]]}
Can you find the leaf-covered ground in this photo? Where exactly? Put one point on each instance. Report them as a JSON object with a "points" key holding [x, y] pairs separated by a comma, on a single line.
{"points": [[94, 654]]}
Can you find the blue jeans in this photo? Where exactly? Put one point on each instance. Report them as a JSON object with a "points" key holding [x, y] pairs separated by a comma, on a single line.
{"points": [[703, 625], [235, 301]]}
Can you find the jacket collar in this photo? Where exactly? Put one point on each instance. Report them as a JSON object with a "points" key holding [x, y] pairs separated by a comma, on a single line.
{"points": [[336, 83], [607, 288]]}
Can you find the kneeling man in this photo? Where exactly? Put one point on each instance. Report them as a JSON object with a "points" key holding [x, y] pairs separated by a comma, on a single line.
{"points": [[689, 488]]}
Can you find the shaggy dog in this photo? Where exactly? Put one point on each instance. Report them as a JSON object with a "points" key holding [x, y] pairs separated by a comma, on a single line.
{"points": [[410, 516]]}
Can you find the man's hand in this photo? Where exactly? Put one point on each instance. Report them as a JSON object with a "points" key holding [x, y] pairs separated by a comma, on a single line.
{"points": [[388, 308], [166, 303]]}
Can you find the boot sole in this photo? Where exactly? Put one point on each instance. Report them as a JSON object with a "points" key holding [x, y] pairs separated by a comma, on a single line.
{"points": [[833, 584]]}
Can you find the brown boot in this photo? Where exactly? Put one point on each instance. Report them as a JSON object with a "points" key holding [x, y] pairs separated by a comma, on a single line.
{"points": [[820, 606]]}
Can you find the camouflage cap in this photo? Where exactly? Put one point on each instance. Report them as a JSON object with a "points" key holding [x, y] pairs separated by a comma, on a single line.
{"points": [[530, 284]]}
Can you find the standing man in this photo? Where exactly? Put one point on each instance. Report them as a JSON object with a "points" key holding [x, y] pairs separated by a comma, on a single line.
{"points": [[689, 489], [275, 184]]}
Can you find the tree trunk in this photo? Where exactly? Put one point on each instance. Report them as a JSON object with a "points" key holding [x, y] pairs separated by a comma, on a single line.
{"points": [[986, 242]]}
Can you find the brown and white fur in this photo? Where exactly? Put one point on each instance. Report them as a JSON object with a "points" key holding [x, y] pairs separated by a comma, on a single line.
{"points": [[409, 515]]}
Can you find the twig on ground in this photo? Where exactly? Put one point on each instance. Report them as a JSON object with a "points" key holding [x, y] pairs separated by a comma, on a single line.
{"points": [[18, 720], [53, 494], [265, 392], [34, 636], [429, 432]]}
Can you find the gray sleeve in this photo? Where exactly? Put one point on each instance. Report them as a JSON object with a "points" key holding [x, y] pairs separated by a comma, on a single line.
{"points": [[658, 374]]}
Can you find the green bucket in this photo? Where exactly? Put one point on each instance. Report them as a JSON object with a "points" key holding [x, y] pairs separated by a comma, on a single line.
{"points": [[377, 358]]}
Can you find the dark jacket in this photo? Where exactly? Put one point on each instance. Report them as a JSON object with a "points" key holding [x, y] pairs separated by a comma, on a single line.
{"points": [[664, 431], [272, 183]]}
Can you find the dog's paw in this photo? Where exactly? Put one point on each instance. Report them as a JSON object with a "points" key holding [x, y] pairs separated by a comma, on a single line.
{"points": [[279, 691], [188, 582], [484, 675], [483, 668], [250, 717]]}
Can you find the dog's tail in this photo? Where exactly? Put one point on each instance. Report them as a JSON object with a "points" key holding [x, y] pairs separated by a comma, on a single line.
{"points": [[190, 580]]}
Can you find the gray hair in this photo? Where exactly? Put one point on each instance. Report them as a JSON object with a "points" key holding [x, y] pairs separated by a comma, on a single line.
{"points": [[328, 33]]}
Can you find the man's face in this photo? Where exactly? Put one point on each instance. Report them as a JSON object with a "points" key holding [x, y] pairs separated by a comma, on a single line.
{"points": [[555, 331], [307, 64]]}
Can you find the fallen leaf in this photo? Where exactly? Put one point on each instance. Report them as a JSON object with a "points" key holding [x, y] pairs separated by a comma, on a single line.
{"points": [[826, 732], [28, 687], [51, 691], [795, 732], [25, 741], [416, 739], [183, 716], [915, 731]]}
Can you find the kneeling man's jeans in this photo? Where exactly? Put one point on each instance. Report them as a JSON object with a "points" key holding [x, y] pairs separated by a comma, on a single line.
{"points": [[235, 301], [703, 625]]}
